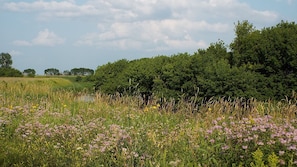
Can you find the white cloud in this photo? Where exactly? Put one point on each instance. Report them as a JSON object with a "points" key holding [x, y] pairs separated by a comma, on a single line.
{"points": [[144, 24], [152, 34], [45, 38], [116, 10]]}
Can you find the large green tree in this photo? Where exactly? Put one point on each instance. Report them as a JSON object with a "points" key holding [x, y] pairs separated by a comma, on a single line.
{"points": [[5, 60], [272, 52]]}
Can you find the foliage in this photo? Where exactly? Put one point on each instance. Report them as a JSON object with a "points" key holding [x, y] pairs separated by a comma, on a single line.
{"points": [[5, 67], [260, 64], [273, 160], [81, 71], [29, 72], [10, 72], [51, 71], [5, 60]]}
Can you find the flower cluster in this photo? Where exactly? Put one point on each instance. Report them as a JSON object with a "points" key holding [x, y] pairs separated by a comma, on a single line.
{"points": [[242, 137]]}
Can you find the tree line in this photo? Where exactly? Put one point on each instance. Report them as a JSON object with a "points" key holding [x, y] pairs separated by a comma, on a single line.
{"points": [[7, 71], [258, 63]]}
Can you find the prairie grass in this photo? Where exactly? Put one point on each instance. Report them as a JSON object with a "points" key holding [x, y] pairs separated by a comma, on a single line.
{"points": [[42, 125]]}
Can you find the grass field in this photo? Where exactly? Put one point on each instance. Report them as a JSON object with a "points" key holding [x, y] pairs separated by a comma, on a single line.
{"points": [[43, 122]]}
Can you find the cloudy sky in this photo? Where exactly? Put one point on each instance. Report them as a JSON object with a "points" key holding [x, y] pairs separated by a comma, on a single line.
{"points": [[66, 34]]}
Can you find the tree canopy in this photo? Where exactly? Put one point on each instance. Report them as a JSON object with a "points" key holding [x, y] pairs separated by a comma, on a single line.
{"points": [[51, 71], [5, 60], [258, 63], [29, 72], [5, 66]]}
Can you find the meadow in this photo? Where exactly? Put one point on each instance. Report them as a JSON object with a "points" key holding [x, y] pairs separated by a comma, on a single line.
{"points": [[43, 122]]}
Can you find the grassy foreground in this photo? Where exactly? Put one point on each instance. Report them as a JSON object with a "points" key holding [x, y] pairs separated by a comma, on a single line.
{"points": [[41, 125]]}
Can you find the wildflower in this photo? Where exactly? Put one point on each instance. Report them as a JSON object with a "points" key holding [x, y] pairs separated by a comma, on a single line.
{"points": [[283, 141], [252, 121], [282, 162], [155, 106], [225, 147], [146, 109], [239, 135], [293, 147], [135, 154], [244, 147], [281, 153], [271, 142], [212, 140]]}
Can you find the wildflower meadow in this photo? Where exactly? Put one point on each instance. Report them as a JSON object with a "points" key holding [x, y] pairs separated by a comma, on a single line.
{"points": [[44, 124]]}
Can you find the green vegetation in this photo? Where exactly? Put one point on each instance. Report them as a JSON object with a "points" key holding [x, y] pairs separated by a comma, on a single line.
{"points": [[259, 63], [29, 72], [41, 125], [5, 67], [213, 108]]}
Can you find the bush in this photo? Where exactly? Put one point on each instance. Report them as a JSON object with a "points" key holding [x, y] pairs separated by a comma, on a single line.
{"points": [[10, 72]]}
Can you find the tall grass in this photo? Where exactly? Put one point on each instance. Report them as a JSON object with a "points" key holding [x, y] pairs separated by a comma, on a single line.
{"points": [[41, 125]]}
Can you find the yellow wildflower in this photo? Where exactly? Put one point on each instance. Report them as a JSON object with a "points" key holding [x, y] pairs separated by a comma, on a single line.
{"points": [[146, 109], [154, 107], [252, 121]]}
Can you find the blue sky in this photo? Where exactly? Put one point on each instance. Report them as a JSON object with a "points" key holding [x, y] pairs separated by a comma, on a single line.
{"points": [[66, 34]]}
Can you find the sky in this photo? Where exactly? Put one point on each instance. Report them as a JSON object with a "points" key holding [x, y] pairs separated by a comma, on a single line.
{"points": [[67, 34]]}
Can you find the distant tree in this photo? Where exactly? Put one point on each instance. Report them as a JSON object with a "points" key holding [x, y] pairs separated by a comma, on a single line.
{"points": [[5, 60], [66, 72], [82, 71], [29, 72], [51, 71]]}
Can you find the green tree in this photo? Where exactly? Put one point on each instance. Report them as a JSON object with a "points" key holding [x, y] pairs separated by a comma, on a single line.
{"points": [[82, 71], [51, 71], [66, 72], [109, 77], [270, 52], [29, 72], [140, 74], [242, 44], [5, 60]]}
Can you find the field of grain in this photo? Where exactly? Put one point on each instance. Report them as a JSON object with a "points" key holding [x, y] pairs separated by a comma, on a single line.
{"points": [[42, 125]]}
